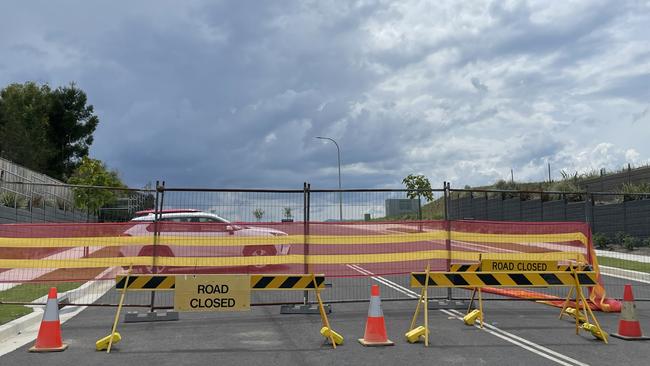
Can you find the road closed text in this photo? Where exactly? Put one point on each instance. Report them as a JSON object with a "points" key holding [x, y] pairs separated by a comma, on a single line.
{"points": [[521, 266], [216, 302], [212, 293]]}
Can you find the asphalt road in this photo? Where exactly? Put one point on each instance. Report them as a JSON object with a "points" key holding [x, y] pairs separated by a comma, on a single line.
{"points": [[516, 333]]}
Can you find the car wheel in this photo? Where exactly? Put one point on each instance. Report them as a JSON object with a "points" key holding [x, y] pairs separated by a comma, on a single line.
{"points": [[261, 250], [161, 251]]}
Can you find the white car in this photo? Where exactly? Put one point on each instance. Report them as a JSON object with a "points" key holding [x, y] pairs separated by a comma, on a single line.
{"points": [[194, 223]]}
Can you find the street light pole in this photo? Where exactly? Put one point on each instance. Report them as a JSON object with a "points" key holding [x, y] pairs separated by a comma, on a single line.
{"points": [[338, 154]]}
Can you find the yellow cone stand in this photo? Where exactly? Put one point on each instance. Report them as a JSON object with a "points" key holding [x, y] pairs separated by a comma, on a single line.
{"points": [[573, 312], [102, 344], [470, 318], [330, 334], [472, 315]]}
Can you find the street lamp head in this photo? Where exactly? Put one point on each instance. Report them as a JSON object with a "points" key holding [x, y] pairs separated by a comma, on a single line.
{"points": [[338, 155], [327, 138]]}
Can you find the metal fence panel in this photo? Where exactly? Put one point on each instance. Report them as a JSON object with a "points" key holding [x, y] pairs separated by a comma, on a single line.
{"points": [[348, 235]]}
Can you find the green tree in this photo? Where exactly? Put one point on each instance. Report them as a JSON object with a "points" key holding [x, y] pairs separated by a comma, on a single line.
{"points": [[24, 125], [72, 123], [287, 212], [418, 185], [258, 213], [93, 172], [46, 130]]}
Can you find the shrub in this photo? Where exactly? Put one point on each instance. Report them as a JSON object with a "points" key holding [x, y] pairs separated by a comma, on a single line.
{"points": [[646, 242], [628, 188], [619, 237], [8, 199], [630, 242], [600, 240], [37, 201], [60, 203], [22, 202]]}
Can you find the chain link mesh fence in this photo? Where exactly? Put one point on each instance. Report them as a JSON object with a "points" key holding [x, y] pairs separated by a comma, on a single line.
{"points": [[348, 235]]}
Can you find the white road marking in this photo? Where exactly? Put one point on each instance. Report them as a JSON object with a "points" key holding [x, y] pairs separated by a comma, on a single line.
{"points": [[491, 329], [625, 256], [522, 340], [384, 281], [625, 274], [27, 274], [86, 294], [523, 343]]}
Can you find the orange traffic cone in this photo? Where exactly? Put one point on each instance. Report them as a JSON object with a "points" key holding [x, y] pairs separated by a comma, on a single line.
{"points": [[49, 334], [375, 334], [629, 327]]}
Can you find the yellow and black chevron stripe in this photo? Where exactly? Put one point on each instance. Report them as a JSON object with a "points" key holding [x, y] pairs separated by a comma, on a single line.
{"points": [[503, 279], [286, 282], [465, 267], [258, 282], [146, 282]]}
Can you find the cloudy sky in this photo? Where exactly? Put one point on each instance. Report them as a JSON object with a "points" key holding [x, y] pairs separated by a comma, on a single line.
{"points": [[232, 93]]}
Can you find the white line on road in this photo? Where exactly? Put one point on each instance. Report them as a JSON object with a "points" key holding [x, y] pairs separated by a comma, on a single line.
{"points": [[625, 274], [523, 343], [522, 340], [21, 331], [384, 281], [625, 256], [27, 274], [491, 329]]}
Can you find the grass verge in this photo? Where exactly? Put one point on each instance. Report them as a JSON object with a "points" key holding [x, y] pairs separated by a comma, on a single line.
{"points": [[624, 264], [27, 292]]}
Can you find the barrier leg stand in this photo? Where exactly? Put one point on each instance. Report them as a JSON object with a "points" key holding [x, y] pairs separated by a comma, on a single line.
{"points": [[595, 328], [114, 335], [566, 303], [414, 333], [417, 310], [471, 301], [326, 331], [578, 308], [426, 308], [480, 307]]}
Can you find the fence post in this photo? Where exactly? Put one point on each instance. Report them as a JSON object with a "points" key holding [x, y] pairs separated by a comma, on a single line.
{"points": [[541, 205], [156, 236], [306, 307], [31, 203], [448, 229], [152, 316], [589, 208], [305, 232], [156, 218], [472, 206], [624, 214], [487, 212]]}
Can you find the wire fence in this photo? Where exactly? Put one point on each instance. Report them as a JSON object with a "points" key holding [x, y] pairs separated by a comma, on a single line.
{"points": [[348, 235]]}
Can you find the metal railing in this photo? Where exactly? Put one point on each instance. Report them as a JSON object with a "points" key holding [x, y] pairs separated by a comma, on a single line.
{"points": [[311, 213]]}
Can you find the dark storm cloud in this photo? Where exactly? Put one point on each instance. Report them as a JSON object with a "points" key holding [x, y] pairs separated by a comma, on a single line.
{"points": [[232, 94]]}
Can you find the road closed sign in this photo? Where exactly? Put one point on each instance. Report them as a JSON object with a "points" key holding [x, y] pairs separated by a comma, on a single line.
{"points": [[493, 265], [212, 293]]}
